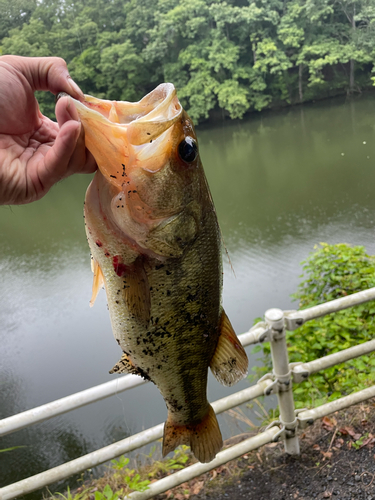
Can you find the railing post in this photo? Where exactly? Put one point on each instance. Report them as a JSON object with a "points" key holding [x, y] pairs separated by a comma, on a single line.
{"points": [[283, 379]]}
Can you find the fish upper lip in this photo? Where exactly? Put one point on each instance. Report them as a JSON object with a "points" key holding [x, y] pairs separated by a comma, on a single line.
{"points": [[144, 120]]}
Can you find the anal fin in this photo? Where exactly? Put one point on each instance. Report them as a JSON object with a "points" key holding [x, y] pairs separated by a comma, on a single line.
{"points": [[229, 362], [98, 281], [204, 437], [126, 365]]}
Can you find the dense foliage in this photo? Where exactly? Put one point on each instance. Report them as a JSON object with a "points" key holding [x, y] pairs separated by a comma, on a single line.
{"points": [[331, 272], [237, 55]]}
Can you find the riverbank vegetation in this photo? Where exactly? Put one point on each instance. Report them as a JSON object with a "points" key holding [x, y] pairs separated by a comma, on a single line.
{"points": [[331, 272], [236, 56]]}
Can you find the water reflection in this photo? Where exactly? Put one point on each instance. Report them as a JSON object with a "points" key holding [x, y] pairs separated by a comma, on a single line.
{"points": [[279, 165], [44, 447], [281, 182]]}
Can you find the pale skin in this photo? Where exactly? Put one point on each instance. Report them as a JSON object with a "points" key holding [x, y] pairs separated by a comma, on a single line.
{"points": [[36, 152]]}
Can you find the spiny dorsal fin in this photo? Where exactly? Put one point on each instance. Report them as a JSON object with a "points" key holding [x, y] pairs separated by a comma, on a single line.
{"points": [[229, 363], [98, 281]]}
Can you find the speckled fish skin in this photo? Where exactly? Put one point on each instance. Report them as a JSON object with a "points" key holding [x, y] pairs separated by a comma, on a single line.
{"points": [[155, 243]]}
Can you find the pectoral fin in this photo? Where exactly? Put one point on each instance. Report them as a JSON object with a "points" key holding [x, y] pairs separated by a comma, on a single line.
{"points": [[229, 363], [98, 282], [126, 365]]}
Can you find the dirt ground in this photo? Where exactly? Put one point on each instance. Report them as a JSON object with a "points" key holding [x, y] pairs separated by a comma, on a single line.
{"points": [[337, 461]]}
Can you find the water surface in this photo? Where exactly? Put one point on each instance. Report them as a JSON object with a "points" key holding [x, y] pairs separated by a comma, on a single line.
{"points": [[282, 182]]}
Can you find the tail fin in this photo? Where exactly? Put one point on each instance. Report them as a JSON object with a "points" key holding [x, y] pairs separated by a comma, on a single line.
{"points": [[204, 438]]}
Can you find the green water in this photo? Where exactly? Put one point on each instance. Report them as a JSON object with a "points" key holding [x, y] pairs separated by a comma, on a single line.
{"points": [[281, 181]]}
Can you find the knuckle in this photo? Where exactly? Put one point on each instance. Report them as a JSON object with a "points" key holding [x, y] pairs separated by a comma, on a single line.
{"points": [[57, 65]]}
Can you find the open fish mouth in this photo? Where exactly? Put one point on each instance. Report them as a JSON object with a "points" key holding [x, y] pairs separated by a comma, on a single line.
{"points": [[144, 120], [131, 133]]}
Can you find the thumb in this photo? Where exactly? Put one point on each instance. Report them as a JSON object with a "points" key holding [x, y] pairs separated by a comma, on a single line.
{"points": [[65, 111], [56, 162]]}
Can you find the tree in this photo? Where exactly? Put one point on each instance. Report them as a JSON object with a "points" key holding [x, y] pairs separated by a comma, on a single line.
{"points": [[233, 55]]}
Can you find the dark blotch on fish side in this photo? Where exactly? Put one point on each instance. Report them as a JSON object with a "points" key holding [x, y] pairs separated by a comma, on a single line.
{"points": [[173, 404]]}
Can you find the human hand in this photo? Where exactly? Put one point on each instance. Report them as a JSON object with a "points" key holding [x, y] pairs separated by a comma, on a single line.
{"points": [[36, 152]]}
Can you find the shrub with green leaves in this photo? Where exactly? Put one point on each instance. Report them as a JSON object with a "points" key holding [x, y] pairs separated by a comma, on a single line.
{"points": [[331, 272]]}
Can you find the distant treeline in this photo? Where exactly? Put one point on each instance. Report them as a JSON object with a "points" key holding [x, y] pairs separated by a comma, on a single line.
{"points": [[233, 55]]}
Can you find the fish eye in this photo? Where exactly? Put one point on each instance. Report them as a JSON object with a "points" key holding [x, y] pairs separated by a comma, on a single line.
{"points": [[188, 149]]}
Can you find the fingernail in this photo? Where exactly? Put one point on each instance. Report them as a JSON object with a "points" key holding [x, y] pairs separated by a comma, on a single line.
{"points": [[59, 95], [75, 87]]}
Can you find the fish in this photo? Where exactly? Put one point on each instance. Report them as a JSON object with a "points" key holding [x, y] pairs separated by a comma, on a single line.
{"points": [[156, 248]]}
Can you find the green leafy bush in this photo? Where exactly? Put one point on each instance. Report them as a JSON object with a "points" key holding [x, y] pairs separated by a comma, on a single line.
{"points": [[107, 494], [131, 478], [164, 467], [331, 272]]}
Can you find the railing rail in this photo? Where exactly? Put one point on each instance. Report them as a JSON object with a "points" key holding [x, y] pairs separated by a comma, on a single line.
{"points": [[64, 405], [279, 382]]}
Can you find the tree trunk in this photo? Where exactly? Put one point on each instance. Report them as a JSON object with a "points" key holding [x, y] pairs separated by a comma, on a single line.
{"points": [[300, 89], [351, 76], [352, 62]]}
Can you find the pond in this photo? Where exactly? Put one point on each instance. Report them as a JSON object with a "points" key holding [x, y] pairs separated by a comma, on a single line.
{"points": [[282, 182]]}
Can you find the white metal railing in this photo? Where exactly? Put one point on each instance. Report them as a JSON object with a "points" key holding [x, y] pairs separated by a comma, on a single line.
{"points": [[280, 382], [82, 398], [63, 405]]}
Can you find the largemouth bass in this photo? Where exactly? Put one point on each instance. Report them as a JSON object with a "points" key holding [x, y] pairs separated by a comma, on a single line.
{"points": [[155, 244]]}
